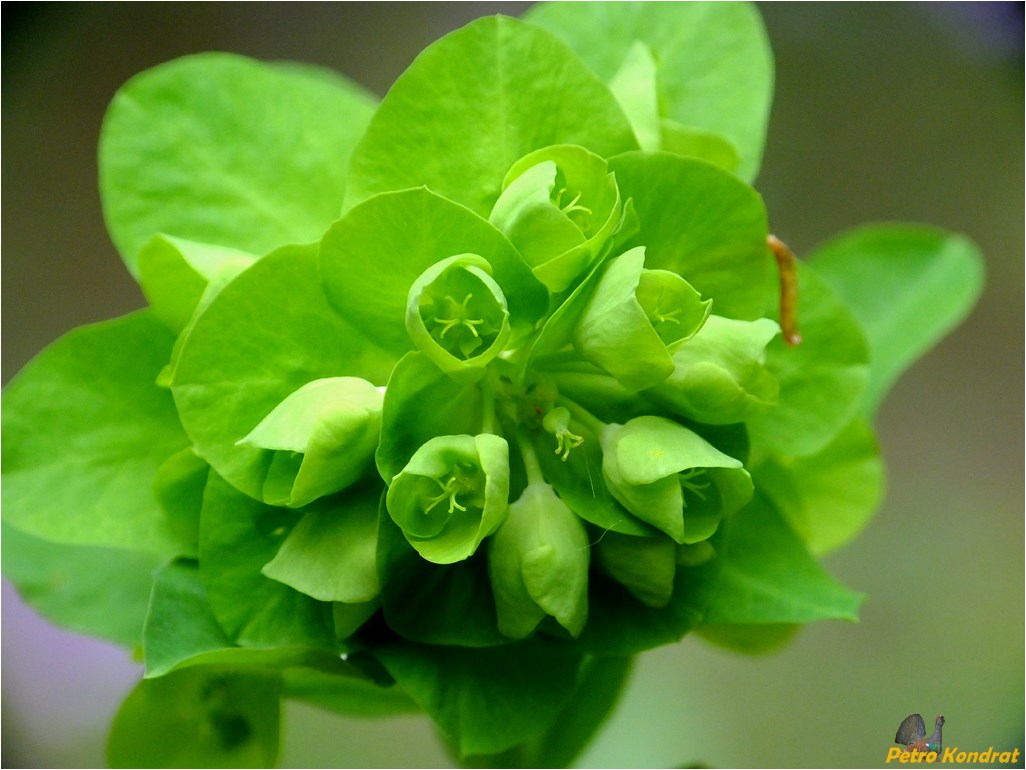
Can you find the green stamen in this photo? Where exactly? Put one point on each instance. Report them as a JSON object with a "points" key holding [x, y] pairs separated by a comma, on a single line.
{"points": [[449, 491]]}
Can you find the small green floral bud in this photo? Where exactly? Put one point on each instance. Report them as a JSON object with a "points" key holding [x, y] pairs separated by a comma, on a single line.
{"points": [[672, 478], [719, 376], [451, 495], [538, 564], [645, 566], [559, 207], [635, 318], [323, 437], [456, 314]]}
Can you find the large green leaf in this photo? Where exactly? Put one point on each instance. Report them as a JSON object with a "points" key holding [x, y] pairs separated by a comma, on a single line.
{"points": [[703, 223], [822, 379], [205, 717], [221, 149], [764, 574], [908, 285], [265, 335], [181, 631], [476, 101], [102, 592], [828, 497], [486, 700], [714, 67], [438, 604], [84, 430], [371, 256], [238, 536]]}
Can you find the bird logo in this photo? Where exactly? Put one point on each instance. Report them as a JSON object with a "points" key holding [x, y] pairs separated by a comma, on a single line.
{"points": [[912, 733]]}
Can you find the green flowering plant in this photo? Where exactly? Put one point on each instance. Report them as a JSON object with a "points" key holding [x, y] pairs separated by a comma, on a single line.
{"points": [[456, 402]]}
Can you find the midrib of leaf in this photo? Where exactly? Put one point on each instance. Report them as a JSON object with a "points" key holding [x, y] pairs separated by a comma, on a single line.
{"points": [[786, 598]]}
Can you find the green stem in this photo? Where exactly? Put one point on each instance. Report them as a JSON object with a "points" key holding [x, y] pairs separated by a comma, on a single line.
{"points": [[531, 464]]}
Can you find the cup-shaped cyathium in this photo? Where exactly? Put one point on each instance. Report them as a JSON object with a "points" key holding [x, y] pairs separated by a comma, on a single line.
{"points": [[719, 376], [452, 494], [672, 478], [456, 314], [538, 564], [560, 207], [322, 436], [636, 318]]}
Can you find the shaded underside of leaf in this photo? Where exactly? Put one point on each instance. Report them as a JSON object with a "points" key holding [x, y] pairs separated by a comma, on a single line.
{"points": [[206, 717], [764, 574], [486, 700]]}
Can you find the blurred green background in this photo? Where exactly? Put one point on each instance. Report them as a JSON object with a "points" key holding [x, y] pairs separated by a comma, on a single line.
{"points": [[883, 112]]}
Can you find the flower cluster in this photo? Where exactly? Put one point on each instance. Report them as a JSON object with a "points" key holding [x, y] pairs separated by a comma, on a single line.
{"points": [[476, 391]]}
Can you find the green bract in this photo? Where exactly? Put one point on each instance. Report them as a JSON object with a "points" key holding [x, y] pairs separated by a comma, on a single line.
{"points": [[720, 376], [672, 478], [636, 318], [323, 437], [455, 402], [457, 316], [559, 207], [451, 495]]}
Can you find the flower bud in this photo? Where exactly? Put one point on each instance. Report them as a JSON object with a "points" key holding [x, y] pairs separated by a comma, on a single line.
{"points": [[671, 477], [538, 564], [456, 314], [559, 207], [719, 376], [323, 437], [635, 318], [451, 495]]}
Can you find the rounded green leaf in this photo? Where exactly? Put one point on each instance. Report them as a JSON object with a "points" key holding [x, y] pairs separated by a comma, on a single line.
{"points": [[238, 536], [703, 223], [85, 429], [828, 497], [456, 315], [265, 335], [451, 495], [221, 149], [822, 379], [323, 437], [498, 86], [908, 285], [697, 85], [372, 255], [538, 564], [102, 592], [331, 553]]}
